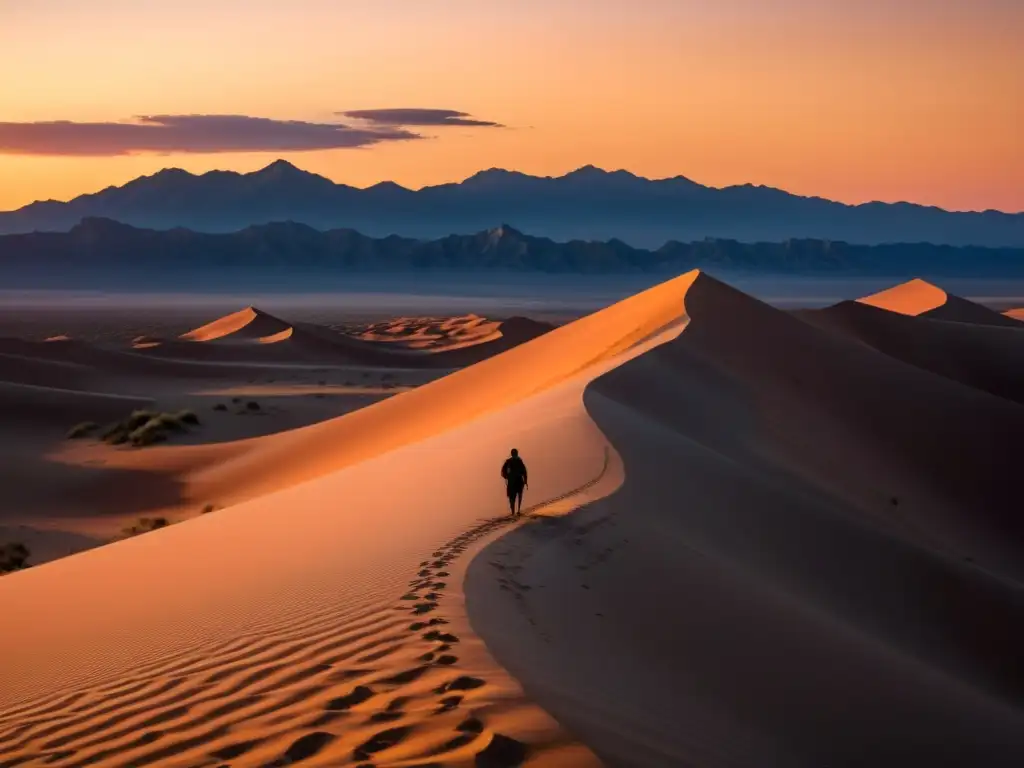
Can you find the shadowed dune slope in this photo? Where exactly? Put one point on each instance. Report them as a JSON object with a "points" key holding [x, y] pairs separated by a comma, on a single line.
{"points": [[854, 423], [920, 298], [987, 357], [31, 405], [815, 559]]}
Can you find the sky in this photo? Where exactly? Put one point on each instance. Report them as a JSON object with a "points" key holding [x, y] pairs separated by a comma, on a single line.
{"points": [[854, 100]]}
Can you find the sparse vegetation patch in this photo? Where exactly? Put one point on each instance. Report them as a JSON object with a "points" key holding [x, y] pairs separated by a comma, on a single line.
{"points": [[13, 557], [84, 429], [145, 525]]}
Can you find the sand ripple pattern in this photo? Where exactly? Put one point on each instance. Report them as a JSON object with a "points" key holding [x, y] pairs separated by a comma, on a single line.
{"points": [[385, 689]]}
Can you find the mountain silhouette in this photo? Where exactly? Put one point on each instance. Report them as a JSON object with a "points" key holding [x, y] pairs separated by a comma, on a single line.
{"points": [[105, 253], [588, 203]]}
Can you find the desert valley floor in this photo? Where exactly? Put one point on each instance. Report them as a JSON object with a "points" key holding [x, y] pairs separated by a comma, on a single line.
{"points": [[753, 537]]}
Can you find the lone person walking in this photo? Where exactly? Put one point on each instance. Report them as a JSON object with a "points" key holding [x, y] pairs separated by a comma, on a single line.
{"points": [[514, 472]]}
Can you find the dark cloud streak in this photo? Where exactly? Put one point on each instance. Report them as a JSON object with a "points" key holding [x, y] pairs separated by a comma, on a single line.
{"points": [[413, 116], [166, 134]]}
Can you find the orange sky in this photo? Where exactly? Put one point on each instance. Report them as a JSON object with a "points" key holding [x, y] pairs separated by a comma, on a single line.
{"points": [[844, 99]]}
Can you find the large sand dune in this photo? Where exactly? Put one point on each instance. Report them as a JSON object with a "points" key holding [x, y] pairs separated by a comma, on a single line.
{"points": [[987, 357], [794, 548], [813, 560], [262, 642]]}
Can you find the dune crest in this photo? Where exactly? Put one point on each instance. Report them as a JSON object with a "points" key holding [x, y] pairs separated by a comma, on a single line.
{"points": [[918, 298], [246, 325], [913, 297]]}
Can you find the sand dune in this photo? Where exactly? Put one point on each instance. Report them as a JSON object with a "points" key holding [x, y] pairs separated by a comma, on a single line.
{"points": [[431, 333], [987, 357], [246, 325], [308, 634], [1015, 314], [920, 298], [807, 564], [754, 541]]}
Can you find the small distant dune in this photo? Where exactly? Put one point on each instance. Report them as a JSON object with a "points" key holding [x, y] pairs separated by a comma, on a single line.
{"points": [[980, 355], [1015, 314], [431, 334], [920, 298], [246, 325]]}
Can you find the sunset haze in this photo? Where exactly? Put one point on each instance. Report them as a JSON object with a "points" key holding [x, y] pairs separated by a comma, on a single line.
{"points": [[854, 101]]}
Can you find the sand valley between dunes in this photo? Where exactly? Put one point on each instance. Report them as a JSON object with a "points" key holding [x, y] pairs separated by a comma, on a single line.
{"points": [[754, 538]]}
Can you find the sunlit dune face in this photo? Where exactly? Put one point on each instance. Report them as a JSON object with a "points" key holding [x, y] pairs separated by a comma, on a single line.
{"points": [[276, 337], [247, 325], [914, 297], [1016, 314]]}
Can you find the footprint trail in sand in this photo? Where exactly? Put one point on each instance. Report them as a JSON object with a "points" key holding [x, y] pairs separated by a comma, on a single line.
{"points": [[387, 690]]}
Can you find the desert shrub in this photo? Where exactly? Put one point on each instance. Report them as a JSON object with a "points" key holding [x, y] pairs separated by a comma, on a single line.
{"points": [[149, 433], [115, 434], [145, 525], [138, 418], [143, 428], [187, 417], [84, 429], [252, 405], [208, 509], [13, 557], [220, 407]]}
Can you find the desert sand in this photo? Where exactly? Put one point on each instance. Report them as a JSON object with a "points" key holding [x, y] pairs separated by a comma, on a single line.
{"points": [[753, 538]]}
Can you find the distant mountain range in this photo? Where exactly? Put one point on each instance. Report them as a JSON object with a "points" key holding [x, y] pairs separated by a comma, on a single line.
{"points": [[588, 204], [102, 252]]}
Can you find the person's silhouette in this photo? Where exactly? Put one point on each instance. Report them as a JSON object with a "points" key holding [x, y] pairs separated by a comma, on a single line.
{"points": [[514, 472]]}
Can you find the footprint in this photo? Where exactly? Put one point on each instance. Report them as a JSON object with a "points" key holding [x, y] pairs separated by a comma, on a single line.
{"points": [[420, 608], [308, 745], [461, 683], [232, 751], [443, 574], [471, 725], [429, 656], [417, 626], [358, 696], [406, 677], [381, 741], [386, 717], [502, 752], [398, 702], [446, 660], [448, 703], [437, 621]]}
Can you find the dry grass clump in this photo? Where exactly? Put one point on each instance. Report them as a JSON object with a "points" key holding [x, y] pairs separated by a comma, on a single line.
{"points": [[145, 427], [145, 525], [84, 429], [13, 557]]}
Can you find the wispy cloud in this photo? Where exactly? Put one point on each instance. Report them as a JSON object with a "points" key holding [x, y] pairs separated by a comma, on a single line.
{"points": [[414, 116], [165, 134]]}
